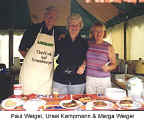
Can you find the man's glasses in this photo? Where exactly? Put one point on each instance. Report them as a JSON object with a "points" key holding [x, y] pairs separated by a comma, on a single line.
{"points": [[50, 17]]}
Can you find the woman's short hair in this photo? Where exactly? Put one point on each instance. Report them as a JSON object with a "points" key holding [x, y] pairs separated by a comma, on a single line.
{"points": [[97, 24], [75, 17]]}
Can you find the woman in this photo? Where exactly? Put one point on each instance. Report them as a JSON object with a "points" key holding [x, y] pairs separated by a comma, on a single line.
{"points": [[100, 61], [69, 76]]}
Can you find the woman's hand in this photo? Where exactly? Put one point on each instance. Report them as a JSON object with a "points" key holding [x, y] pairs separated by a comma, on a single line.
{"points": [[105, 68], [81, 69]]}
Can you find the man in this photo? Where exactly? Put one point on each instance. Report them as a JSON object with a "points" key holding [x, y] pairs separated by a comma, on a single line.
{"points": [[38, 49], [30, 34]]}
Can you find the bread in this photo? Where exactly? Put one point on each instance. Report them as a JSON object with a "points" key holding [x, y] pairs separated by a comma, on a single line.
{"points": [[72, 103], [10, 103], [99, 104], [25, 98], [126, 103], [85, 99]]}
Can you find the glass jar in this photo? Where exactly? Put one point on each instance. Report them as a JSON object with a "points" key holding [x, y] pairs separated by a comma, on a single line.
{"points": [[17, 88], [135, 87]]}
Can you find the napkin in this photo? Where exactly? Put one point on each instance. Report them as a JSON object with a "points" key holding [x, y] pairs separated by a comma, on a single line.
{"points": [[115, 93]]}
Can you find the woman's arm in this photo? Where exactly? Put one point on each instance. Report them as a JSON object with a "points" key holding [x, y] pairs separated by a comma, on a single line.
{"points": [[81, 68], [112, 58]]}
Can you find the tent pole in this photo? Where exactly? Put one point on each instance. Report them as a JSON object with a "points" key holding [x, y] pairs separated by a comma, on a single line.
{"points": [[125, 41], [12, 18], [11, 33]]}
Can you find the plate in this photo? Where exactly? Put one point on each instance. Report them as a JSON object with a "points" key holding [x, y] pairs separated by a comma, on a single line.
{"points": [[90, 105], [69, 101], [134, 105], [120, 80], [11, 103], [52, 107], [33, 104]]}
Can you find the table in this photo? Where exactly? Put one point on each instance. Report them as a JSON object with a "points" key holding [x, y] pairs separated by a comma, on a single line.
{"points": [[52, 103], [121, 85], [6, 85], [124, 78]]}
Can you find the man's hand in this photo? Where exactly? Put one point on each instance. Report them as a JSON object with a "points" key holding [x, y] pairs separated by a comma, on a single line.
{"points": [[23, 53], [61, 36]]}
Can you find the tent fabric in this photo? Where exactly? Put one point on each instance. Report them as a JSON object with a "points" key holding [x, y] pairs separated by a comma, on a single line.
{"points": [[14, 13], [134, 37], [127, 11], [21, 13], [88, 19], [37, 8], [108, 13], [102, 11], [116, 36]]}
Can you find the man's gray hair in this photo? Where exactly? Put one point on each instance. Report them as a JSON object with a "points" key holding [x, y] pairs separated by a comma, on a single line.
{"points": [[49, 9]]}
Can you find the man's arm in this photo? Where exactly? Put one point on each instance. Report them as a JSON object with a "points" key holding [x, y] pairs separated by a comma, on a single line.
{"points": [[58, 43], [23, 53], [26, 41]]}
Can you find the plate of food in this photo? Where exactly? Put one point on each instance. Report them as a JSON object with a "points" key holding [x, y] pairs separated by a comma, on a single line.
{"points": [[70, 104], [34, 104], [129, 104], [100, 104], [11, 103]]}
